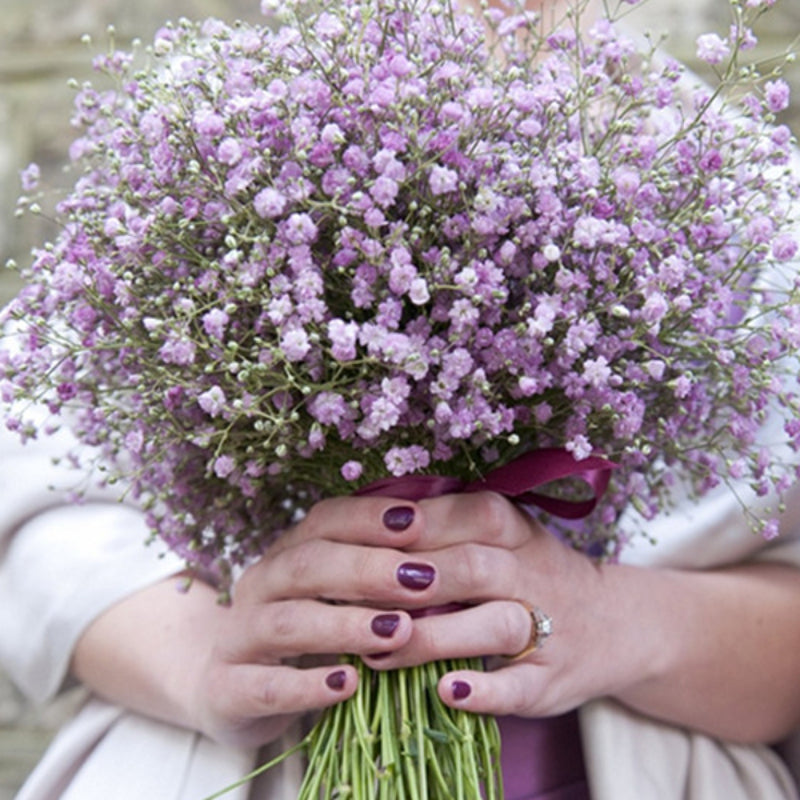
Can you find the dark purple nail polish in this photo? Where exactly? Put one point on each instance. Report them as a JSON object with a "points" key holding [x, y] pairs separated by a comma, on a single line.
{"points": [[336, 680], [378, 656], [398, 518], [385, 624], [416, 576], [461, 690]]}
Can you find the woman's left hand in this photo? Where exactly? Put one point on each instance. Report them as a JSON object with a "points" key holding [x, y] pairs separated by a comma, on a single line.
{"points": [[690, 647], [498, 563]]}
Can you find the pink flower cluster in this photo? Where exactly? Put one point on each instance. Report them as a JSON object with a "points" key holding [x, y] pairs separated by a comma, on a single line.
{"points": [[374, 241]]}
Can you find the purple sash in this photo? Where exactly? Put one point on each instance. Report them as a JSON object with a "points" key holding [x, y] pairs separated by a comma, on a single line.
{"points": [[542, 759]]}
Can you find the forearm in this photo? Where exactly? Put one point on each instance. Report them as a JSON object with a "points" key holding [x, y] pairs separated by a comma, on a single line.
{"points": [[715, 651], [59, 570]]}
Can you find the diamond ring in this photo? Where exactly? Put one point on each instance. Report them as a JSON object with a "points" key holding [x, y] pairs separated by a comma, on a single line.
{"points": [[541, 628]]}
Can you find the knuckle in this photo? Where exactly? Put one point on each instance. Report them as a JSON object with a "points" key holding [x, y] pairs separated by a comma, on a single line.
{"points": [[484, 572], [517, 706], [300, 560], [521, 703], [476, 566], [511, 636], [284, 622], [369, 568], [314, 520], [271, 695], [492, 513]]}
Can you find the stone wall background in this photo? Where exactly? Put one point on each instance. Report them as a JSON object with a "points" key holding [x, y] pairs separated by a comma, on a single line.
{"points": [[41, 48]]}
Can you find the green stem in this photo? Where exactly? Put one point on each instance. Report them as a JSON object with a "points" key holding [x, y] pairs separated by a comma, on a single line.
{"points": [[409, 757], [301, 745]]}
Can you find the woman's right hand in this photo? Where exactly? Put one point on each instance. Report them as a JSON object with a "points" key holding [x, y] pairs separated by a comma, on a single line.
{"points": [[241, 673], [316, 593]]}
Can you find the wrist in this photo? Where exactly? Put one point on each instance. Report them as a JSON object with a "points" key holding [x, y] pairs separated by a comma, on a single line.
{"points": [[190, 648], [629, 629], [146, 652]]}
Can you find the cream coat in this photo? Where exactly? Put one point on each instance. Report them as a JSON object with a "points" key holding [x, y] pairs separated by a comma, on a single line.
{"points": [[63, 565]]}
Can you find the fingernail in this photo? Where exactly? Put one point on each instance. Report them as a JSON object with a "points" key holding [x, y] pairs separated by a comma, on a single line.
{"points": [[416, 576], [378, 656], [461, 690], [336, 680], [398, 518], [385, 624]]}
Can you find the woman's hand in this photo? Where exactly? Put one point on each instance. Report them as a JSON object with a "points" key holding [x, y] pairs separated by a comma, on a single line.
{"points": [[496, 562], [717, 651], [323, 589], [334, 584]]}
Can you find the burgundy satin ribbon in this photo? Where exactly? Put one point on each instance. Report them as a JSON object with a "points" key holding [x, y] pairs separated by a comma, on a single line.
{"points": [[518, 480]]}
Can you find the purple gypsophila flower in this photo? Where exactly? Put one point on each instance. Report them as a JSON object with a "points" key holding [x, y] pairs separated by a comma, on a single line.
{"points": [[712, 49], [30, 177], [777, 95]]}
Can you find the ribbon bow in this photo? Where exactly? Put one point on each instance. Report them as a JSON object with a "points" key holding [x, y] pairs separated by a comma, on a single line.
{"points": [[518, 481]]}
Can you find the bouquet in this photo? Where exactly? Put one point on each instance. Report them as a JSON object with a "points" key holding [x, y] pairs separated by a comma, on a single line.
{"points": [[383, 238]]}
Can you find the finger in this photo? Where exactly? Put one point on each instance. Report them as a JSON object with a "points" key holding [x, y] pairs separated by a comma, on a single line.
{"points": [[494, 628], [250, 692], [377, 521], [334, 571], [466, 573], [477, 572], [524, 689], [478, 517], [299, 627]]}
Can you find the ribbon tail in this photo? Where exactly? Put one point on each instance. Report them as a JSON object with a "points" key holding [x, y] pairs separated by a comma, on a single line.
{"points": [[519, 478]]}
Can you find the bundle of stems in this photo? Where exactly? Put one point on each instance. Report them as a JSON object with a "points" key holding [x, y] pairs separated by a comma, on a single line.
{"points": [[395, 739]]}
